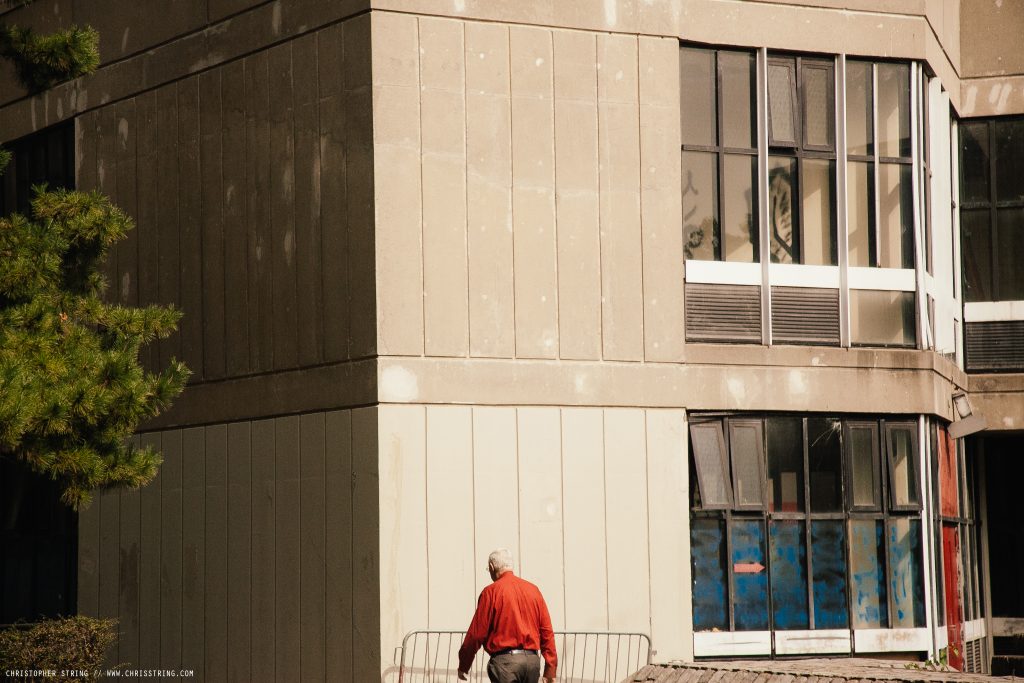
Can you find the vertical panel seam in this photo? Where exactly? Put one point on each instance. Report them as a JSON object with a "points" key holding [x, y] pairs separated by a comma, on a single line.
{"points": [[554, 205], [640, 206], [423, 245], [519, 506], [512, 188], [426, 504], [600, 241], [604, 487], [561, 467], [296, 257], [650, 563], [472, 479], [465, 191]]}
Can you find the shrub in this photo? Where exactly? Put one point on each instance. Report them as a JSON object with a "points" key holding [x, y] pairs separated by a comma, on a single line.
{"points": [[72, 645]]}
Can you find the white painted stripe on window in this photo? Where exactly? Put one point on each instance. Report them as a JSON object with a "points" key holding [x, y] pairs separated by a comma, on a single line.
{"points": [[726, 644], [795, 275], [723, 272], [988, 311], [974, 629], [825, 641], [1007, 626], [886, 279], [892, 639]]}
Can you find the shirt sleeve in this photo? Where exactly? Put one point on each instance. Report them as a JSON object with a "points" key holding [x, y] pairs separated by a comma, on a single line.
{"points": [[547, 640], [476, 635]]}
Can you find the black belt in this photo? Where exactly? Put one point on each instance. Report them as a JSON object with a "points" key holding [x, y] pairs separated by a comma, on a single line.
{"points": [[515, 651]]}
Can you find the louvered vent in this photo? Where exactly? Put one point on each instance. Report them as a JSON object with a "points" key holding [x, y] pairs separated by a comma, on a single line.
{"points": [[723, 313], [803, 315], [997, 345], [974, 657]]}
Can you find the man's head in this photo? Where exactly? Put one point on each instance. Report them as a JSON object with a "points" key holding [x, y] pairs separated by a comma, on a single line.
{"points": [[499, 562]]}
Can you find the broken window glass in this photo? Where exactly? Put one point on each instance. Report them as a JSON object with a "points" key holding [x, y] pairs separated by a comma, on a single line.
{"points": [[785, 464], [708, 443], [825, 465]]}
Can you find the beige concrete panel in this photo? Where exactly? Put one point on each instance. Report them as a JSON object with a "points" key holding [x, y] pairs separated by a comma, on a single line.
{"points": [[619, 155], [999, 399], [586, 581], [596, 15], [367, 598], [489, 192], [449, 513], [533, 193], [999, 96], [576, 182], [395, 43], [495, 486], [947, 71], [751, 386], [990, 36], [442, 54], [625, 470], [668, 493], [445, 277], [403, 524], [540, 505], [660, 201]]}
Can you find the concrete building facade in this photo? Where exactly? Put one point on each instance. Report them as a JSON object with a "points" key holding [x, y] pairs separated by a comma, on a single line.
{"points": [[667, 296]]}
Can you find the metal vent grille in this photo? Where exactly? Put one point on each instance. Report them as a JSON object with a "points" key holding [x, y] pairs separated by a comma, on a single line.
{"points": [[803, 315], [995, 345], [723, 313], [974, 656]]}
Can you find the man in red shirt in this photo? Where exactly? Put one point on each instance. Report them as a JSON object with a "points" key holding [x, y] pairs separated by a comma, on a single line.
{"points": [[513, 625]]}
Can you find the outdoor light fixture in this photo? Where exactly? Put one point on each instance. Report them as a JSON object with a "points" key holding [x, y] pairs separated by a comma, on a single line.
{"points": [[969, 423]]}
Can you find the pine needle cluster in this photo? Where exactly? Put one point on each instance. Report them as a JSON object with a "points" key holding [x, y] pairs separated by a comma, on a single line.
{"points": [[5, 158], [72, 390], [42, 61]]}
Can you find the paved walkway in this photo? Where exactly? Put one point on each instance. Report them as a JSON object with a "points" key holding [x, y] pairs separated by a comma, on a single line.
{"points": [[839, 670]]}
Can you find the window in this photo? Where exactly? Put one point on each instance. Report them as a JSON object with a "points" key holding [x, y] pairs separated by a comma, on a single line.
{"points": [[992, 208], [719, 161], [825, 538]]}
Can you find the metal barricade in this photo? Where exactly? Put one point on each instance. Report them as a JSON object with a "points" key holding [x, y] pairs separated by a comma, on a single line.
{"points": [[583, 656]]}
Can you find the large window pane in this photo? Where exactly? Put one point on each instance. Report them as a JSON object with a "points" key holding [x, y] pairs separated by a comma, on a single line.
{"points": [[708, 443], [1009, 159], [750, 578], [895, 209], [697, 88], [880, 318], [893, 110], [710, 580], [782, 102], [738, 96], [905, 572], [739, 205], [819, 104], [858, 108], [785, 464], [782, 209], [818, 204], [789, 575], [1010, 236], [747, 456], [862, 450], [860, 190], [825, 464], [828, 564], [700, 205], [976, 243], [974, 162], [867, 574], [901, 442]]}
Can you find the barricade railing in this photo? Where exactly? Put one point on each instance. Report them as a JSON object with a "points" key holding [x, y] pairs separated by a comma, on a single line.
{"points": [[584, 657]]}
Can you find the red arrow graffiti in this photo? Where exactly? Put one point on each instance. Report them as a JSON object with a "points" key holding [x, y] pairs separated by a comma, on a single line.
{"points": [[748, 567]]}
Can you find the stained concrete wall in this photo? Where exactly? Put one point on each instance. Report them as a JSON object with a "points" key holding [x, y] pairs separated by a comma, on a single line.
{"points": [[593, 503], [993, 63]]}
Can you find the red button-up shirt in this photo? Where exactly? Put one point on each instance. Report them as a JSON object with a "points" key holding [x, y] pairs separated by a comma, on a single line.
{"points": [[510, 614]]}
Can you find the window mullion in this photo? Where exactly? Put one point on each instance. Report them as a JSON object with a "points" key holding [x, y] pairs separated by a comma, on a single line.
{"points": [[876, 209], [842, 218], [923, 331], [764, 244]]}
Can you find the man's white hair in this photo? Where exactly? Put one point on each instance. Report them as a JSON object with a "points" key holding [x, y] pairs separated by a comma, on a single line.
{"points": [[500, 559]]}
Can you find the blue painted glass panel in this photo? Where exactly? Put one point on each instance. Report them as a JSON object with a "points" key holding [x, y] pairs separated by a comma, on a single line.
{"points": [[828, 569], [867, 569], [750, 578], [789, 575], [710, 581], [905, 583]]}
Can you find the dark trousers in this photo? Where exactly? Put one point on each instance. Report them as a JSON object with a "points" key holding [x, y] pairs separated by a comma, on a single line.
{"points": [[514, 669]]}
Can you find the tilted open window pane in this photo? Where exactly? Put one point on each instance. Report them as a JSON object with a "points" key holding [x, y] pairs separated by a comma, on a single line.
{"points": [[740, 209], [818, 80], [1009, 137], [817, 212], [893, 110], [785, 464], [697, 83], [745, 445], [700, 205], [901, 445], [858, 108], [739, 74], [783, 219], [782, 107], [825, 464], [708, 443], [862, 453]]}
